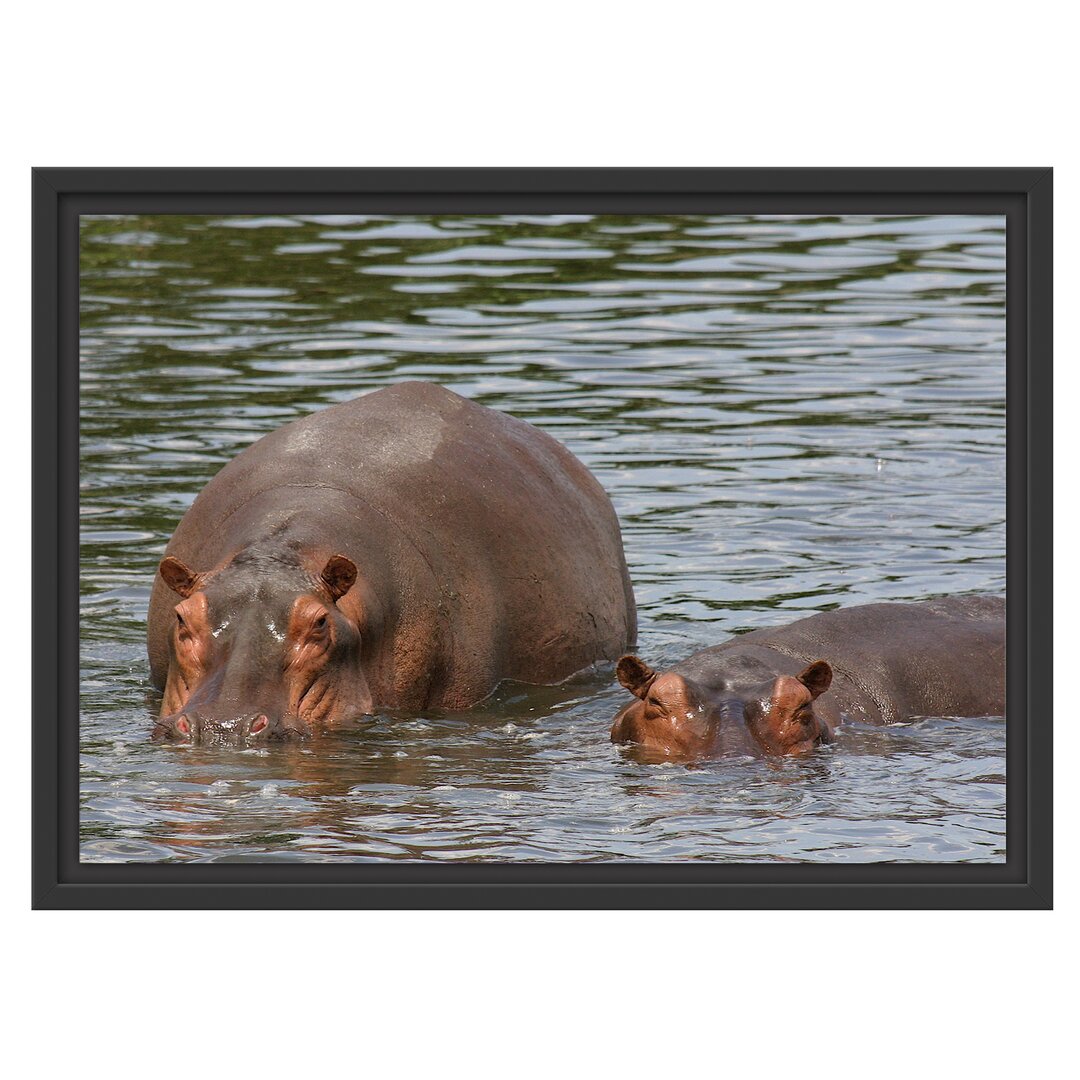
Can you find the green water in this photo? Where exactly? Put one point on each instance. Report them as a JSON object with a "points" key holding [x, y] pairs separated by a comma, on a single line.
{"points": [[790, 414]]}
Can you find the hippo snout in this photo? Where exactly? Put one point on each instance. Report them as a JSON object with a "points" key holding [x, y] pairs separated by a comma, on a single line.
{"points": [[192, 726]]}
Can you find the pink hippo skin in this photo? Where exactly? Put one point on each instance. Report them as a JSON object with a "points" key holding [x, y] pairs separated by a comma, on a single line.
{"points": [[405, 550], [783, 691]]}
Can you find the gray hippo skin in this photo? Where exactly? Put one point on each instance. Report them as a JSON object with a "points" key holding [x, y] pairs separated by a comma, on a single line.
{"points": [[405, 550], [785, 690]]}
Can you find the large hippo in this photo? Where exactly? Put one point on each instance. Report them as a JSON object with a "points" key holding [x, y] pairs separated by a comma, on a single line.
{"points": [[784, 691], [405, 550]]}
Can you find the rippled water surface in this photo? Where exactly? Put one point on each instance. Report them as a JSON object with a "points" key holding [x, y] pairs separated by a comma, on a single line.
{"points": [[790, 414]]}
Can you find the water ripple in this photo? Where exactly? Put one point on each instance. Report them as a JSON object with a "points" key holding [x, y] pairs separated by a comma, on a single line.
{"points": [[789, 413]]}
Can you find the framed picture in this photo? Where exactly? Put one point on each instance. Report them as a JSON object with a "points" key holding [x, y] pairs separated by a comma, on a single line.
{"points": [[542, 538]]}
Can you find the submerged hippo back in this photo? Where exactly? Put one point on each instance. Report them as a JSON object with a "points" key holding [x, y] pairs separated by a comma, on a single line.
{"points": [[942, 657], [479, 532]]}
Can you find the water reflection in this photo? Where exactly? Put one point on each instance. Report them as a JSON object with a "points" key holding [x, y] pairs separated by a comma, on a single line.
{"points": [[789, 413]]}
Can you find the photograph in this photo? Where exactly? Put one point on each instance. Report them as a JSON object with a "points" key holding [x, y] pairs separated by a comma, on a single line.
{"points": [[537, 520], [531, 538]]}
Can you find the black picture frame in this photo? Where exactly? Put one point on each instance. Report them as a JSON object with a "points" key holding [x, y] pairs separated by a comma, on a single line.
{"points": [[1024, 196]]}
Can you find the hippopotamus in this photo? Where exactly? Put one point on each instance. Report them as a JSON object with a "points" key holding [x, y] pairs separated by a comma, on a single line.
{"points": [[403, 551], [782, 691]]}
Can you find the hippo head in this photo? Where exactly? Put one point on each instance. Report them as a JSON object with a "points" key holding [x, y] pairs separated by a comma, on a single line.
{"points": [[260, 649], [677, 718]]}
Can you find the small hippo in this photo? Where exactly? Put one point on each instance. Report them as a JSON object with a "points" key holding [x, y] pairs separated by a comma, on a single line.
{"points": [[784, 691], [405, 550]]}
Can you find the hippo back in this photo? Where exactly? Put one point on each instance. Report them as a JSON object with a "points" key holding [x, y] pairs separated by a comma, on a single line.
{"points": [[943, 657]]}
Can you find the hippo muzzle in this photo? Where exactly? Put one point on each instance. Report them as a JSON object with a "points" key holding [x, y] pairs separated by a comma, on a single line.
{"points": [[192, 726]]}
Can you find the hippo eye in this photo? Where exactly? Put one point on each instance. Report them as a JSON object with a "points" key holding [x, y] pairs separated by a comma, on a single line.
{"points": [[320, 623]]}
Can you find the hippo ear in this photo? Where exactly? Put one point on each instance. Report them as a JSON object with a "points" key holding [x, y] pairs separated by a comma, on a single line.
{"points": [[180, 578], [635, 675], [338, 575], [817, 678]]}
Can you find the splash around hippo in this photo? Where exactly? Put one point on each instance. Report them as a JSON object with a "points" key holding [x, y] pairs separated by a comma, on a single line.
{"points": [[406, 550], [784, 691]]}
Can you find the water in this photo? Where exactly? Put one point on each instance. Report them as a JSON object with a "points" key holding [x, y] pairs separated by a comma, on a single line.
{"points": [[790, 414]]}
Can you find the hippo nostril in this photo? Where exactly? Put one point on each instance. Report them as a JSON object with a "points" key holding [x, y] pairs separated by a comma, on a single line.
{"points": [[182, 725], [260, 723]]}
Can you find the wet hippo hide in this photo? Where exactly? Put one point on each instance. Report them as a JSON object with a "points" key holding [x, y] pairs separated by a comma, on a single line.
{"points": [[785, 689], [481, 549]]}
